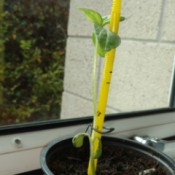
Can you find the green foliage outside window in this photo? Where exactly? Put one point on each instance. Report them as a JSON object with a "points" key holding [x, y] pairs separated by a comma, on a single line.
{"points": [[32, 50]]}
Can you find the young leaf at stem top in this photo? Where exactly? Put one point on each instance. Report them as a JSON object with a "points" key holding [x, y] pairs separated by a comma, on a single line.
{"points": [[106, 19], [93, 16], [106, 39]]}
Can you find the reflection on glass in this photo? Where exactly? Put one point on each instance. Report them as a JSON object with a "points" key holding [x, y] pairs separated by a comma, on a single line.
{"points": [[32, 49]]}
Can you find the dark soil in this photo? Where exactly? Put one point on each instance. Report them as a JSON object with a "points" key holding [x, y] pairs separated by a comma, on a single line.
{"points": [[114, 161]]}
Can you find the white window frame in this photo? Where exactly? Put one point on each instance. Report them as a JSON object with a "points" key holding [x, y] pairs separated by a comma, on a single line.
{"points": [[16, 159]]}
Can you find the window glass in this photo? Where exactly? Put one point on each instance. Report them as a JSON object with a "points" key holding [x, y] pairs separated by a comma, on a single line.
{"points": [[32, 55], [46, 59]]}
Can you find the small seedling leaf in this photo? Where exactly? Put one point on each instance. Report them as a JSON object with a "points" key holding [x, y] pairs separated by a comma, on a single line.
{"points": [[93, 16], [100, 51], [122, 18], [106, 20], [78, 140], [107, 40], [112, 41]]}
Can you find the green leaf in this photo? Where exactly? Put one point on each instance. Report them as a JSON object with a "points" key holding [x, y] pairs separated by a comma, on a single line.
{"points": [[122, 18], [25, 44], [106, 20], [100, 51], [78, 140], [93, 16], [106, 39]]}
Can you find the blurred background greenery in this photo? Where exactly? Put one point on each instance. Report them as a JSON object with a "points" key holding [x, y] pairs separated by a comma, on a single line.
{"points": [[32, 51]]}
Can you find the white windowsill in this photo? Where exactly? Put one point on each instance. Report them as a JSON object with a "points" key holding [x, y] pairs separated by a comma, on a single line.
{"points": [[15, 160]]}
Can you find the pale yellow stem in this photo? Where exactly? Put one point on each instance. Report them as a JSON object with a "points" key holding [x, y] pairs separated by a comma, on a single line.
{"points": [[106, 80]]}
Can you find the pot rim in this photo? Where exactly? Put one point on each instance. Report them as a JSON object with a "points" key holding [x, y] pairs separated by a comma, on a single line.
{"points": [[127, 143]]}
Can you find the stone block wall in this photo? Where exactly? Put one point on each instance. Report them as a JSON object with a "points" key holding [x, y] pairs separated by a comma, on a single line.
{"points": [[143, 64]]}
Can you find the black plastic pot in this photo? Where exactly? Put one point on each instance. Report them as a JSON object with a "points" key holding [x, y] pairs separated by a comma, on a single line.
{"points": [[60, 147]]}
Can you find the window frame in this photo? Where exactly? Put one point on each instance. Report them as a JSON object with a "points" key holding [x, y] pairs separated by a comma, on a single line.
{"points": [[36, 136], [59, 123]]}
